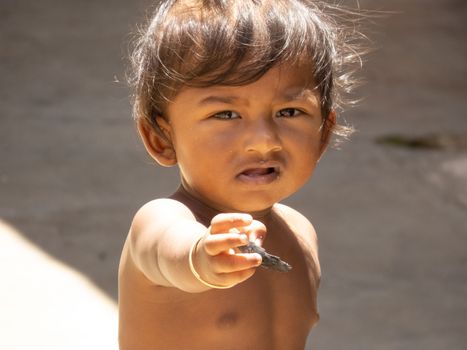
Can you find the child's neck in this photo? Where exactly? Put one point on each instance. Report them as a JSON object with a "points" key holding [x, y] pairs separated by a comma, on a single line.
{"points": [[205, 212]]}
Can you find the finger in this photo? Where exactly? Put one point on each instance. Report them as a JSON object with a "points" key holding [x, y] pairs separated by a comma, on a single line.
{"points": [[236, 277], [256, 232], [216, 244], [222, 223], [225, 263]]}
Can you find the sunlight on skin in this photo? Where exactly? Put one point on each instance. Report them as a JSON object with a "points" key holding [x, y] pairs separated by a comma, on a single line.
{"points": [[47, 305]]}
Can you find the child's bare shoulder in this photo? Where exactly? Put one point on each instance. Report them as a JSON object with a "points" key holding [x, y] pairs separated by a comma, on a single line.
{"points": [[297, 221], [305, 233], [161, 211]]}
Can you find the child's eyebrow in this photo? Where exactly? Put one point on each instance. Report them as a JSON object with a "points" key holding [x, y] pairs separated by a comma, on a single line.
{"points": [[218, 99], [301, 94], [292, 95]]}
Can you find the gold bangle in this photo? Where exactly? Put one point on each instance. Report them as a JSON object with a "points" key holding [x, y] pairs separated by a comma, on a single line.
{"points": [[195, 273]]}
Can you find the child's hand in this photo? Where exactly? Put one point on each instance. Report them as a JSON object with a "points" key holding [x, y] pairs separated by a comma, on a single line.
{"points": [[216, 259]]}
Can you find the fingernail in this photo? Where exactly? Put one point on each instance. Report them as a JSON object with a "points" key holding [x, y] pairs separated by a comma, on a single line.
{"points": [[244, 238]]}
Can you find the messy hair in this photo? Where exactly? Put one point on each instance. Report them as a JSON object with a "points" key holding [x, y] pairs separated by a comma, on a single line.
{"points": [[201, 43]]}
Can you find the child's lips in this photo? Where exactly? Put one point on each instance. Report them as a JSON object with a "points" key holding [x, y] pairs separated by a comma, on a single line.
{"points": [[258, 171], [260, 175]]}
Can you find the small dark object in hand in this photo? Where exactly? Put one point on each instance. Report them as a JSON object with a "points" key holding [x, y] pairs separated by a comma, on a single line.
{"points": [[269, 261]]}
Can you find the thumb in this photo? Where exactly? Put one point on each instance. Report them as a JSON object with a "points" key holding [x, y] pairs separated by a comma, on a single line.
{"points": [[256, 232]]}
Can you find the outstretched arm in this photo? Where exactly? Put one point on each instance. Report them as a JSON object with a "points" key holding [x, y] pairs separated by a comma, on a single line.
{"points": [[164, 232]]}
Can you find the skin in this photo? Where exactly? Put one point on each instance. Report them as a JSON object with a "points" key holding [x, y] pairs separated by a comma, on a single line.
{"points": [[240, 151]]}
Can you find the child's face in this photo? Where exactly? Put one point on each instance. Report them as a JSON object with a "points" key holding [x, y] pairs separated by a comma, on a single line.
{"points": [[245, 148]]}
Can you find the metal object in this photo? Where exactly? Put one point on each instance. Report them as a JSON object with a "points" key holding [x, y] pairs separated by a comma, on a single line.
{"points": [[269, 261]]}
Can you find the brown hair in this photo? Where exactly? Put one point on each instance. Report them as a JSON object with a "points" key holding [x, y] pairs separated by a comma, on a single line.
{"points": [[235, 42]]}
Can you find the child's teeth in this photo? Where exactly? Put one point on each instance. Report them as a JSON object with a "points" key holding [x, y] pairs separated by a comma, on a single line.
{"points": [[259, 171]]}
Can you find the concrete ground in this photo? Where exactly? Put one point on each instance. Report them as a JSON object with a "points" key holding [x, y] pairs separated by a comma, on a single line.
{"points": [[392, 221]]}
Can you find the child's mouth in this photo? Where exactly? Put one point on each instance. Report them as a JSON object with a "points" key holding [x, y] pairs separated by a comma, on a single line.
{"points": [[259, 175], [258, 171]]}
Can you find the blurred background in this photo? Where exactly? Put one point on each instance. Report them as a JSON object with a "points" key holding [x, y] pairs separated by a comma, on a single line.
{"points": [[390, 206]]}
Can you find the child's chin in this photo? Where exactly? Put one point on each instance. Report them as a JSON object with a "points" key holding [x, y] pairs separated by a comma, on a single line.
{"points": [[256, 206]]}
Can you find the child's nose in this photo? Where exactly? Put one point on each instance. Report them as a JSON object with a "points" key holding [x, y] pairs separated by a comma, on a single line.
{"points": [[262, 137]]}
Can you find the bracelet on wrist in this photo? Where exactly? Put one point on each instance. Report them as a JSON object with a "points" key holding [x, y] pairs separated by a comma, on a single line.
{"points": [[195, 273]]}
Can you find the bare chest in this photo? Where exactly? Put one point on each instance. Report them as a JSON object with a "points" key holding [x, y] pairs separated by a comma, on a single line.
{"points": [[271, 310]]}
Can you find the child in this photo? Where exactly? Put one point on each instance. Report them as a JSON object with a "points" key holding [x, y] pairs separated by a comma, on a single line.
{"points": [[241, 95]]}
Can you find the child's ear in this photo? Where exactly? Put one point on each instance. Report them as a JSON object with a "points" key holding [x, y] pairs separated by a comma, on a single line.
{"points": [[158, 143], [327, 129]]}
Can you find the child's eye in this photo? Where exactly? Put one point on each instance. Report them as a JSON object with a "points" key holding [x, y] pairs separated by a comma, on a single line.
{"points": [[226, 115], [288, 112]]}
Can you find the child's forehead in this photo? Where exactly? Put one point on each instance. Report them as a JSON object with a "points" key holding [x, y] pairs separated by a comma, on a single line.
{"points": [[280, 84]]}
